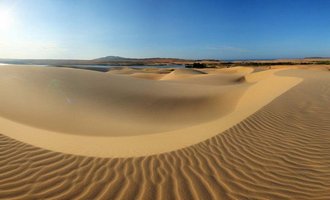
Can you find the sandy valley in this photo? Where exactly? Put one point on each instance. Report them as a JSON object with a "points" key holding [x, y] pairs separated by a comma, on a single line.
{"points": [[229, 133]]}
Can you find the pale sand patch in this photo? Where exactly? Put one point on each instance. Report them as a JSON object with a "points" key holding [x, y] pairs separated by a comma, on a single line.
{"points": [[279, 152], [183, 73], [92, 103], [209, 110], [149, 76]]}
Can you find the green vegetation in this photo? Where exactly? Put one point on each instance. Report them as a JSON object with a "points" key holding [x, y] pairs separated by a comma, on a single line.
{"points": [[325, 62], [196, 65]]}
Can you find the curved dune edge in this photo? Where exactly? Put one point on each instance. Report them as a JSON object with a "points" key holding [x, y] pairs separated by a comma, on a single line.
{"points": [[280, 152], [80, 102], [256, 96]]}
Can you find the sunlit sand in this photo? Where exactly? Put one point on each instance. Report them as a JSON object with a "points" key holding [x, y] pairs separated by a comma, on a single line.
{"points": [[93, 110], [231, 132]]}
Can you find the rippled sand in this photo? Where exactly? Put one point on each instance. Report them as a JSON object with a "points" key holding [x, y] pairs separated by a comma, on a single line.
{"points": [[266, 135]]}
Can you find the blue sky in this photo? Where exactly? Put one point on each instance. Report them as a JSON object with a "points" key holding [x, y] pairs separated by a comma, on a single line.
{"points": [[218, 29]]}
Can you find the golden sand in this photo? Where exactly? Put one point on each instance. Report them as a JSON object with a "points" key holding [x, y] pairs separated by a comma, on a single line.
{"points": [[208, 134]]}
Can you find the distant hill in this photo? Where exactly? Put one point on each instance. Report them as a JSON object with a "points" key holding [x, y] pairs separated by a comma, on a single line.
{"points": [[122, 61], [108, 60], [117, 60], [317, 58], [111, 58]]}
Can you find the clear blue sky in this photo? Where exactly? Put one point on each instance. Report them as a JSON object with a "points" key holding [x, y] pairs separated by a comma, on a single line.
{"points": [[219, 29]]}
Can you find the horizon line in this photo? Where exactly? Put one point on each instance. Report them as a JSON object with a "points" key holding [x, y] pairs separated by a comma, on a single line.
{"points": [[178, 58]]}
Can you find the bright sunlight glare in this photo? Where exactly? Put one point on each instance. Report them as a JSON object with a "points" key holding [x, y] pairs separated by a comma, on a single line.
{"points": [[6, 19]]}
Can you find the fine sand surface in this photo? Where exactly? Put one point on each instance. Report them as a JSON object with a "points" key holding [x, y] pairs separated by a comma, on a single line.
{"points": [[182, 134], [105, 115]]}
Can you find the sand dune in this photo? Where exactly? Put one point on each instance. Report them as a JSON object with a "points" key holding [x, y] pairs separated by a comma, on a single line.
{"points": [[149, 76], [273, 143], [82, 112], [122, 70], [52, 98], [182, 73]]}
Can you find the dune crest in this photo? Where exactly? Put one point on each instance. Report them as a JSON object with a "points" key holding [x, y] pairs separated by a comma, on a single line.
{"points": [[279, 152], [97, 114], [182, 73]]}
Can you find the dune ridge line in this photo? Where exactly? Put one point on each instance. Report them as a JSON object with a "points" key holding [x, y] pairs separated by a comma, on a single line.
{"points": [[252, 94]]}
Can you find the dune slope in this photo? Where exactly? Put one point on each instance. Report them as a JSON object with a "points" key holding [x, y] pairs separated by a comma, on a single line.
{"points": [[96, 114], [83, 102], [182, 73], [280, 152]]}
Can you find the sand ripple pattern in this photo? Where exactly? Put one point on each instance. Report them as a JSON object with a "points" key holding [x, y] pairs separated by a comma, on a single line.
{"points": [[281, 152]]}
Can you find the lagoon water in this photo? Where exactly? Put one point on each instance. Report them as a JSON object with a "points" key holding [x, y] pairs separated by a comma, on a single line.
{"points": [[134, 66], [111, 66]]}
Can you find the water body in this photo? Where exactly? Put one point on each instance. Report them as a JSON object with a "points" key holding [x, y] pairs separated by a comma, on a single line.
{"points": [[6, 64], [134, 66], [107, 66]]}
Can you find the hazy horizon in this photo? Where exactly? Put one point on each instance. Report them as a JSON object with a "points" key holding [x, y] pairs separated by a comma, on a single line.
{"points": [[226, 30], [143, 57]]}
